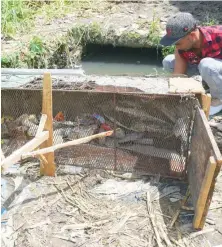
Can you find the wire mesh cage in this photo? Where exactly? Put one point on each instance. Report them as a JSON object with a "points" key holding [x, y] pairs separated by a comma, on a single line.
{"points": [[151, 132]]}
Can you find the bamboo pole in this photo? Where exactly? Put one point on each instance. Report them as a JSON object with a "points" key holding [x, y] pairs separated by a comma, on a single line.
{"points": [[41, 124], [16, 156], [49, 169], [67, 144]]}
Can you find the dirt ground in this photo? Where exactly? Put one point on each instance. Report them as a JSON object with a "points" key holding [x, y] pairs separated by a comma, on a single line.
{"points": [[81, 207], [98, 208], [121, 16]]}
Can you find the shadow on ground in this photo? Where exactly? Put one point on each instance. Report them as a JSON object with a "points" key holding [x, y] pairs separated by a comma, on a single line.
{"points": [[204, 11]]}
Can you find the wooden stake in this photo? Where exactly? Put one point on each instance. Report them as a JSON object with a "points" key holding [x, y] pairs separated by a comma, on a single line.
{"points": [[67, 144], [205, 187], [206, 102], [48, 169]]}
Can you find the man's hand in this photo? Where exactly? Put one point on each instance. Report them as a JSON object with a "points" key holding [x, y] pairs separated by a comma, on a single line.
{"points": [[180, 64]]}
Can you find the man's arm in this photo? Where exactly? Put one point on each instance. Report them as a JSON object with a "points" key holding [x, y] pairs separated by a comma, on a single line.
{"points": [[180, 64]]}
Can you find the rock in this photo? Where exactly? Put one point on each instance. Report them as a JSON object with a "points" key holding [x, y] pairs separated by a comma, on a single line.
{"points": [[163, 19], [110, 142], [134, 26], [67, 169], [120, 133], [66, 132], [57, 137], [32, 130], [5, 142], [16, 131], [218, 126], [131, 137], [4, 131], [65, 124], [142, 32], [20, 120], [142, 16], [33, 119], [81, 131], [101, 141]]}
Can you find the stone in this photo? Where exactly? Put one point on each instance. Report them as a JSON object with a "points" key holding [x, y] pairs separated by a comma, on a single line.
{"points": [[32, 130], [33, 119], [57, 137], [142, 16], [135, 26], [4, 131], [80, 132], [120, 133], [142, 32]]}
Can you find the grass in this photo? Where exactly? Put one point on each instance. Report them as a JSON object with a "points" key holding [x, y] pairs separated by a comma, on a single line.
{"points": [[209, 21], [154, 30], [18, 16], [167, 50]]}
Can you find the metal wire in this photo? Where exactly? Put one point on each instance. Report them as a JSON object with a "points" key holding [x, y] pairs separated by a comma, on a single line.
{"points": [[151, 132]]}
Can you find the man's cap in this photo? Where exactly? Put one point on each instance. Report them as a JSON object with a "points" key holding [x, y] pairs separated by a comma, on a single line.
{"points": [[177, 27]]}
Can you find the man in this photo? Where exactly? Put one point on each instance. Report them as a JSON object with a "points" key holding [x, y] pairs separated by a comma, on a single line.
{"points": [[198, 51]]}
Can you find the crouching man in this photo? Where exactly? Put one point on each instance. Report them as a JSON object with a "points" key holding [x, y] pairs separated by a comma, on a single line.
{"points": [[198, 51]]}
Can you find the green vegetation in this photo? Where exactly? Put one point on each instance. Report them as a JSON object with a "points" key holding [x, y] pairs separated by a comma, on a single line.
{"points": [[32, 56], [209, 22], [154, 30], [11, 61], [168, 50], [18, 16]]}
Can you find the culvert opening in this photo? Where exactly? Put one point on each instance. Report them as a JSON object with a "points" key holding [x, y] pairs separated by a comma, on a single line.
{"points": [[110, 60]]}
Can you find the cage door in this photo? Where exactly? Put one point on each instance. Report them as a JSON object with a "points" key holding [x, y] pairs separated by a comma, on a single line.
{"points": [[203, 167]]}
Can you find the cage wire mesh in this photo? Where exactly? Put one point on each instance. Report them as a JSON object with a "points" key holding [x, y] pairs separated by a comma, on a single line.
{"points": [[151, 132]]}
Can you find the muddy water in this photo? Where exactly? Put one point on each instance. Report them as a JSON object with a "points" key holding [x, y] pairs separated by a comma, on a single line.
{"points": [[109, 60]]}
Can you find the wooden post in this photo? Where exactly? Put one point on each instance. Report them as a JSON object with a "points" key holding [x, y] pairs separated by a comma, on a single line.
{"points": [[206, 102], [205, 188], [49, 168]]}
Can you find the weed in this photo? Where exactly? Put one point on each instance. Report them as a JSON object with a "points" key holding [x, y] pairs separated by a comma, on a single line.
{"points": [[168, 50], [210, 22], [16, 14], [35, 56], [19, 16], [94, 33], [143, 23], [10, 61], [154, 30]]}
